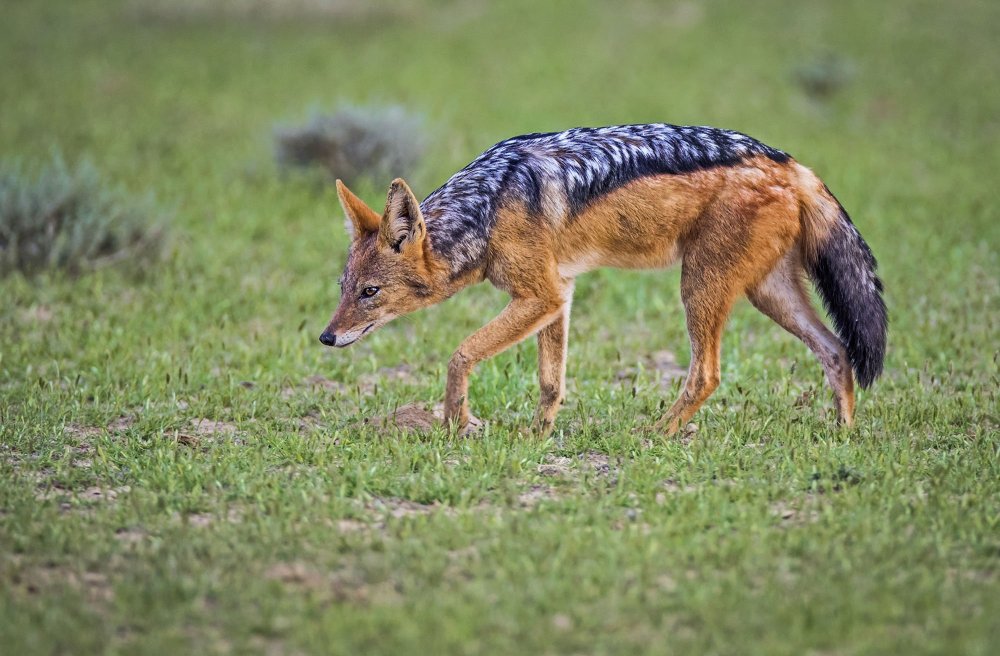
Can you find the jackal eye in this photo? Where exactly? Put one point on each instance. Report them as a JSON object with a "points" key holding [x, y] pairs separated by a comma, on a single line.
{"points": [[368, 292]]}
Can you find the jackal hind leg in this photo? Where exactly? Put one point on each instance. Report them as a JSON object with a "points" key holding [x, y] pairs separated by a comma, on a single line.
{"points": [[782, 297], [737, 247], [707, 309], [552, 348]]}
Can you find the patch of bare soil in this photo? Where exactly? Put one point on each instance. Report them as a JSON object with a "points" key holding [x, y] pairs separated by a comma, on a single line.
{"points": [[377, 512], [207, 431], [209, 427], [588, 463], [794, 514], [82, 435], [101, 494], [233, 515], [131, 535], [36, 314], [121, 424], [673, 487], [398, 508], [351, 526], [412, 417], [322, 382], [47, 489], [344, 585], [537, 493], [50, 579], [310, 422], [662, 363], [316, 383], [369, 383], [583, 465]]}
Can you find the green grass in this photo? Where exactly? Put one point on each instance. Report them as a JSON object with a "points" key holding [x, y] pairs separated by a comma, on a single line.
{"points": [[292, 527]]}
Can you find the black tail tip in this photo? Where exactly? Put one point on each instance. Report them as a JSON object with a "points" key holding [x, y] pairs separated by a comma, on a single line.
{"points": [[865, 335], [867, 371]]}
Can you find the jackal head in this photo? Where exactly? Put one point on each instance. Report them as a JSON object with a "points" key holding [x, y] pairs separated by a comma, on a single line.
{"points": [[390, 271]]}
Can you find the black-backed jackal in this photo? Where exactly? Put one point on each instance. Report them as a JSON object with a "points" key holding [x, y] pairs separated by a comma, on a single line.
{"points": [[533, 212]]}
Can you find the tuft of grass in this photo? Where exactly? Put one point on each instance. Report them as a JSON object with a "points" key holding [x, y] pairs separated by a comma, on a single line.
{"points": [[355, 143], [69, 218]]}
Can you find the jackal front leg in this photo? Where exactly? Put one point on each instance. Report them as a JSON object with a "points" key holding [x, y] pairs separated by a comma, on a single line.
{"points": [[520, 319], [552, 347]]}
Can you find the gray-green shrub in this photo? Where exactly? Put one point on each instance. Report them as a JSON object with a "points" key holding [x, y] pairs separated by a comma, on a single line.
{"points": [[355, 143], [69, 218]]}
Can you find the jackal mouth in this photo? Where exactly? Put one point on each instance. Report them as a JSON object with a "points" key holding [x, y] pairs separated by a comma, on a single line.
{"points": [[363, 333]]}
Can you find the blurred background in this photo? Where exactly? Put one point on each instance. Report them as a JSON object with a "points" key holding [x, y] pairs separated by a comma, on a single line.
{"points": [[181, 461]]}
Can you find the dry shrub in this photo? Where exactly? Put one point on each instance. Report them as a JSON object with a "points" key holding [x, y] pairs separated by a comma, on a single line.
{"points": [[355, 143], [821, 76], [69, 218]]}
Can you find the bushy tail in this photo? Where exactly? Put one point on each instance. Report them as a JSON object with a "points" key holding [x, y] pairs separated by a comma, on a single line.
{"points": [[843, 267]]}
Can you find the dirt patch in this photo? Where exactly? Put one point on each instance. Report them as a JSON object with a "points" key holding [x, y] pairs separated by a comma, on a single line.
{"points": [[36, 314], [322, 382], [794, 514], [212, 427], [340, 585], [47, 490], [412, 417], [121, 424], [369, 384], [556, 466], [375, 514], [207, 431], [673, 487], [233, 515], [79, 433], [663, 364], [131, 535], [566, 468], [399, 508], [50, 579], [82, 435], [588, 463], [311, 422], [315, 383], [366, 384], [456, 460], [536, 494], [99, 494], [351, 525]]}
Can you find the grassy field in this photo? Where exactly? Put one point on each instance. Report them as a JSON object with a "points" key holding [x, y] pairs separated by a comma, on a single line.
{"points": [[184, 468]]}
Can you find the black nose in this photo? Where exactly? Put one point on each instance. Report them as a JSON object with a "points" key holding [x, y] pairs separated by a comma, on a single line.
{"points": [[328, 338]]}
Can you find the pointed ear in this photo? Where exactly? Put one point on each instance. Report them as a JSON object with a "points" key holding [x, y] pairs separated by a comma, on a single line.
{"points": [[361, 219], [402, 224]]}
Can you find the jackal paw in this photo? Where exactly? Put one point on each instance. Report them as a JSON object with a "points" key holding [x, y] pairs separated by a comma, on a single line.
{"points": [[542, 425], [670, 427], [473, 426]]}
